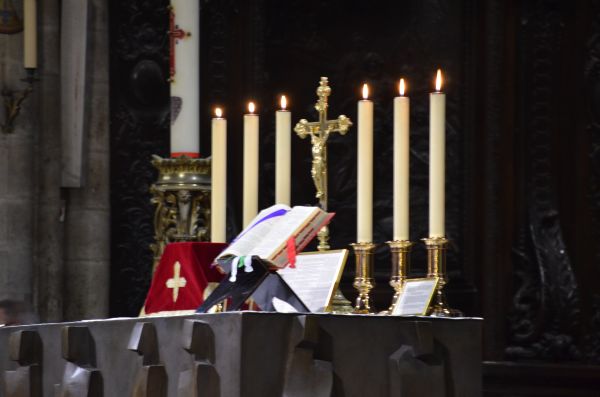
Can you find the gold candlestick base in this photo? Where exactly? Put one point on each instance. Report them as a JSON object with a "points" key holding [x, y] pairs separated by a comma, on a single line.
{"points": [[363, 280], [400, 250], [436, 267]]}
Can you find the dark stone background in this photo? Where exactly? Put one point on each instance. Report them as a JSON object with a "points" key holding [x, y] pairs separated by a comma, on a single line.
{"points": [[523, 147]]}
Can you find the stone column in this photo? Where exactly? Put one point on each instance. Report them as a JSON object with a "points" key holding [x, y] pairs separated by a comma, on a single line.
{"points": [[87, 227], [49, 210], [17, 156]]}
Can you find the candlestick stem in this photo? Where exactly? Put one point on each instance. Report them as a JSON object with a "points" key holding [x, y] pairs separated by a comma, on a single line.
{"points": [[400, 250], [436, 267], [363, 279]]}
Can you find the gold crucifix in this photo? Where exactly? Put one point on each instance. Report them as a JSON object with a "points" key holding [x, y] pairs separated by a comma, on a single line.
{"points": [[176, 282], [319, 134]]}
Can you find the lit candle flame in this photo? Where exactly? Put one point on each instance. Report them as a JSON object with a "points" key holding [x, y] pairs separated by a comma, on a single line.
{"points": [[251, 107], [438, 81], [219, 112], [365, 91], [401, 87], [283, 102]]}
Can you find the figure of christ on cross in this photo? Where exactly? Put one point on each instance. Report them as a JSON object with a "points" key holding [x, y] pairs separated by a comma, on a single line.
{"points": [[175, 34], [319, 132], [176, 282]]}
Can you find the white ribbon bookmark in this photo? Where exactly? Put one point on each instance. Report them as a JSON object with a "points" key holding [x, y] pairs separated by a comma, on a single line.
{"points": [[235, 263]]}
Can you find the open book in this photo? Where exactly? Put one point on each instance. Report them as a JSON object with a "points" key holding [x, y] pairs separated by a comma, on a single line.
{"points": [[268, 234]]}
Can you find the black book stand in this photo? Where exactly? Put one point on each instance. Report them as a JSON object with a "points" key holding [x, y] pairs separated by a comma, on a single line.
{"points": [[262, 284]]}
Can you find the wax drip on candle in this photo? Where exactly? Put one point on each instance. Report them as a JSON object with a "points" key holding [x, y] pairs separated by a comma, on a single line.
{"points": [[365, 91], [401, 87], [283, 102], [438, 81], [251, 107], [218, 113]]}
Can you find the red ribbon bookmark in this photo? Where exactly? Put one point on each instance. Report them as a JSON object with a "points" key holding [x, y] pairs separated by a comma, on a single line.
{"points": [[291, 252]]}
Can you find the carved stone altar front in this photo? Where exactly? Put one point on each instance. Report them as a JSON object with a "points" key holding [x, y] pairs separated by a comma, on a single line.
{"points": [[245, 354]]}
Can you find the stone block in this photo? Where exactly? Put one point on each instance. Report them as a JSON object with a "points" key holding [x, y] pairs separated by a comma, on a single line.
{"points": [[87, 234], [50, 49], [4, 270], [25, 348], [15, 48], [86, 284], [99, 16], [98, 119], [95, 194], [3, 223], [143, 341], [19, 222], [151, 379], [98, 56], [20, 167], [3, 167], [17, 265], [80, 378], [50, 119]]}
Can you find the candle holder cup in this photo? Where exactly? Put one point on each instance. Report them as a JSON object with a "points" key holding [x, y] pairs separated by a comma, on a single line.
{"points": [[363, 279], [400, 251], [436, 267]]}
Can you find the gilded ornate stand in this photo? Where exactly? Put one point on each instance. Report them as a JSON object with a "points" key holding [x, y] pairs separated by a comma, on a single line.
{"points": [[363, 279], [400, 252], [182, 198], [436, 267]]}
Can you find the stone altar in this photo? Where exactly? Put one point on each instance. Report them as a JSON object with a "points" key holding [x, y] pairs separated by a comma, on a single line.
{"points": [[244, 354]]}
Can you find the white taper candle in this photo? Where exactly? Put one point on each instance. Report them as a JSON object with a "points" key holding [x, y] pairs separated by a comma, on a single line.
{"points": [[283, 154], [364, 186], [401, 164], [437, 160], [185, 78], [251, 152], [30, 34], [218, 200]]}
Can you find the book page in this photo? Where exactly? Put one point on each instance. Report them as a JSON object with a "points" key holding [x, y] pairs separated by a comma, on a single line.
{"points": [[315, 277], [247, 241], [415, 296], [286, 227]]}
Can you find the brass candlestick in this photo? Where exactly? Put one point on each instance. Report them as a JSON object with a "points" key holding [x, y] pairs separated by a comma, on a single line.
{"points": [[182, 198], [436, 267], [363, 279], [400, 250]]}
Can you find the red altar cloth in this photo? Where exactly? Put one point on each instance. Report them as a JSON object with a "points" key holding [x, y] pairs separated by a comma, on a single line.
{"points": [[182, 276]]}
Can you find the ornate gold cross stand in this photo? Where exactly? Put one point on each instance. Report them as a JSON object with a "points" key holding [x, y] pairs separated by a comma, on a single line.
{"points": [[319, 132]]}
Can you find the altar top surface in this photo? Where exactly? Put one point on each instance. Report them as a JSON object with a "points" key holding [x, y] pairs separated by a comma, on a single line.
{"points": [[244, 313]]}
